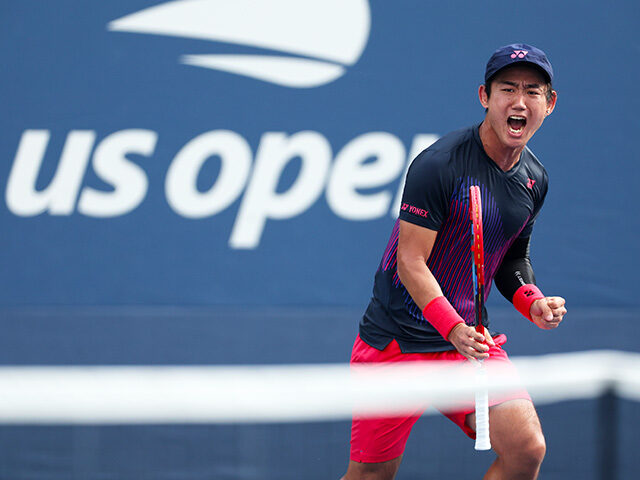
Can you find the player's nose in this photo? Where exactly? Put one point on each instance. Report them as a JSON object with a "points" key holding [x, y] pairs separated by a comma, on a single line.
{"points": [[519, 102]]}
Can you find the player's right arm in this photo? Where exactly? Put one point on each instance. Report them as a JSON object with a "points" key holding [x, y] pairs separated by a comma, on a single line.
{"points": [[414, 247]]}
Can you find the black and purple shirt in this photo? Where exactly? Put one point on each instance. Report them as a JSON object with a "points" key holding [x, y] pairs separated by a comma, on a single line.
{"points": [[436, 196]]}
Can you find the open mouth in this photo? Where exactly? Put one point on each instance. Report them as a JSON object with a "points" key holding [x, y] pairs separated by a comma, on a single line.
{"points": [[516, 123]]}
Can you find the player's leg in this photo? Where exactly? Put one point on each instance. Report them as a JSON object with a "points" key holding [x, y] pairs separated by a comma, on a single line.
{"points": [[377, 445], [517, 439], [373, 471]]}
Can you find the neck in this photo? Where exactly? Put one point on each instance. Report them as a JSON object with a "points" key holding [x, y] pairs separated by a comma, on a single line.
{"points": [[503, 156]]}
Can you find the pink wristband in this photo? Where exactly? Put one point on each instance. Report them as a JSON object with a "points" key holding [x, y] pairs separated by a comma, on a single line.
{"points": [[524, 297], [442, 316]]}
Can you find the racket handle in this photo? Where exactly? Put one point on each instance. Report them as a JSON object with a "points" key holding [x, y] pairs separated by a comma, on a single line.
{"points": [[482, 410]]}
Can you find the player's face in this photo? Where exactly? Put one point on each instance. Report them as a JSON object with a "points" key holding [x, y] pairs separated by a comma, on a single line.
{"points": [[517, 105]]}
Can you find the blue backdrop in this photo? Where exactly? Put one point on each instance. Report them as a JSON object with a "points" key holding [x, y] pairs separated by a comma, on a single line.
{"points": [[215, 181]]}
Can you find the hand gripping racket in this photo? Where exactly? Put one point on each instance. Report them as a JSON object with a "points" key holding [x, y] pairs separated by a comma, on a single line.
{"points": [[477, 253]]}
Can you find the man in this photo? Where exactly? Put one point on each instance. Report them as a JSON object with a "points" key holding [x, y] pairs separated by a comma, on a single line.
{"points": [[422, 304]]}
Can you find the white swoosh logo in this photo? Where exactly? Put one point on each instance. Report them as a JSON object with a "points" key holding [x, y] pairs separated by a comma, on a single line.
{"points": [[332, 34]]}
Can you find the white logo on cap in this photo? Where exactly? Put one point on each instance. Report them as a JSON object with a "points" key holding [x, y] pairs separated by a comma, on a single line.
{"points": [[319, 38]]}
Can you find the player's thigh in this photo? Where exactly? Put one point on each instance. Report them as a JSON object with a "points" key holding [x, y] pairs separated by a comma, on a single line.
{"points": [[373, 471], [514, 426]]}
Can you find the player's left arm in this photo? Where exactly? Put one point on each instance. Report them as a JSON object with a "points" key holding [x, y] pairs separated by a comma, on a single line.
{"points": [[517, 283]]}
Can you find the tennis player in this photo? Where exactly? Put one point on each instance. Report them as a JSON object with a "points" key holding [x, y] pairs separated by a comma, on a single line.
{"points": [[422, 304]]}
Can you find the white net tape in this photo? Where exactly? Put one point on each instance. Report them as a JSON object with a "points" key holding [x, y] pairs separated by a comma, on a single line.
{"points": [[204, 394]]}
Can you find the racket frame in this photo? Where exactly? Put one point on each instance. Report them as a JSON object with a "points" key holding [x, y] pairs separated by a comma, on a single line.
{"points": [[483, 441]]}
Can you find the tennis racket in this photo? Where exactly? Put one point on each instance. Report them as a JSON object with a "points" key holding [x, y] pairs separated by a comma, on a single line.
{"points": [[477, 253]]}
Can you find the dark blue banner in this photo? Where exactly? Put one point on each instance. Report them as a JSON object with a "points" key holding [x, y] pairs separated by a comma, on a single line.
{"points": [[212, 152]]}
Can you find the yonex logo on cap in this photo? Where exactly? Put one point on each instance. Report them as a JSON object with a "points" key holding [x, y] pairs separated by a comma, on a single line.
{"points": [[517, 52]]}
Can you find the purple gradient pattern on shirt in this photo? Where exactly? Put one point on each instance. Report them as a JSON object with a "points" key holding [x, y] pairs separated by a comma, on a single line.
{"points": [[450, 258]]}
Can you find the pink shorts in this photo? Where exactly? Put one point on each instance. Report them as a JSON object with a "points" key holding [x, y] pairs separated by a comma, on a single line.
{"points": [[381, 439]]}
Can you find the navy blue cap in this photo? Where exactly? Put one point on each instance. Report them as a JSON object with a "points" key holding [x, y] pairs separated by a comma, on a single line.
{"points": [[518, 53]]}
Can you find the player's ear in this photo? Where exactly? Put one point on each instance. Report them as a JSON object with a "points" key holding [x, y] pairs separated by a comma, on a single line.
{"points": [[551, 103], [482, 95]]}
